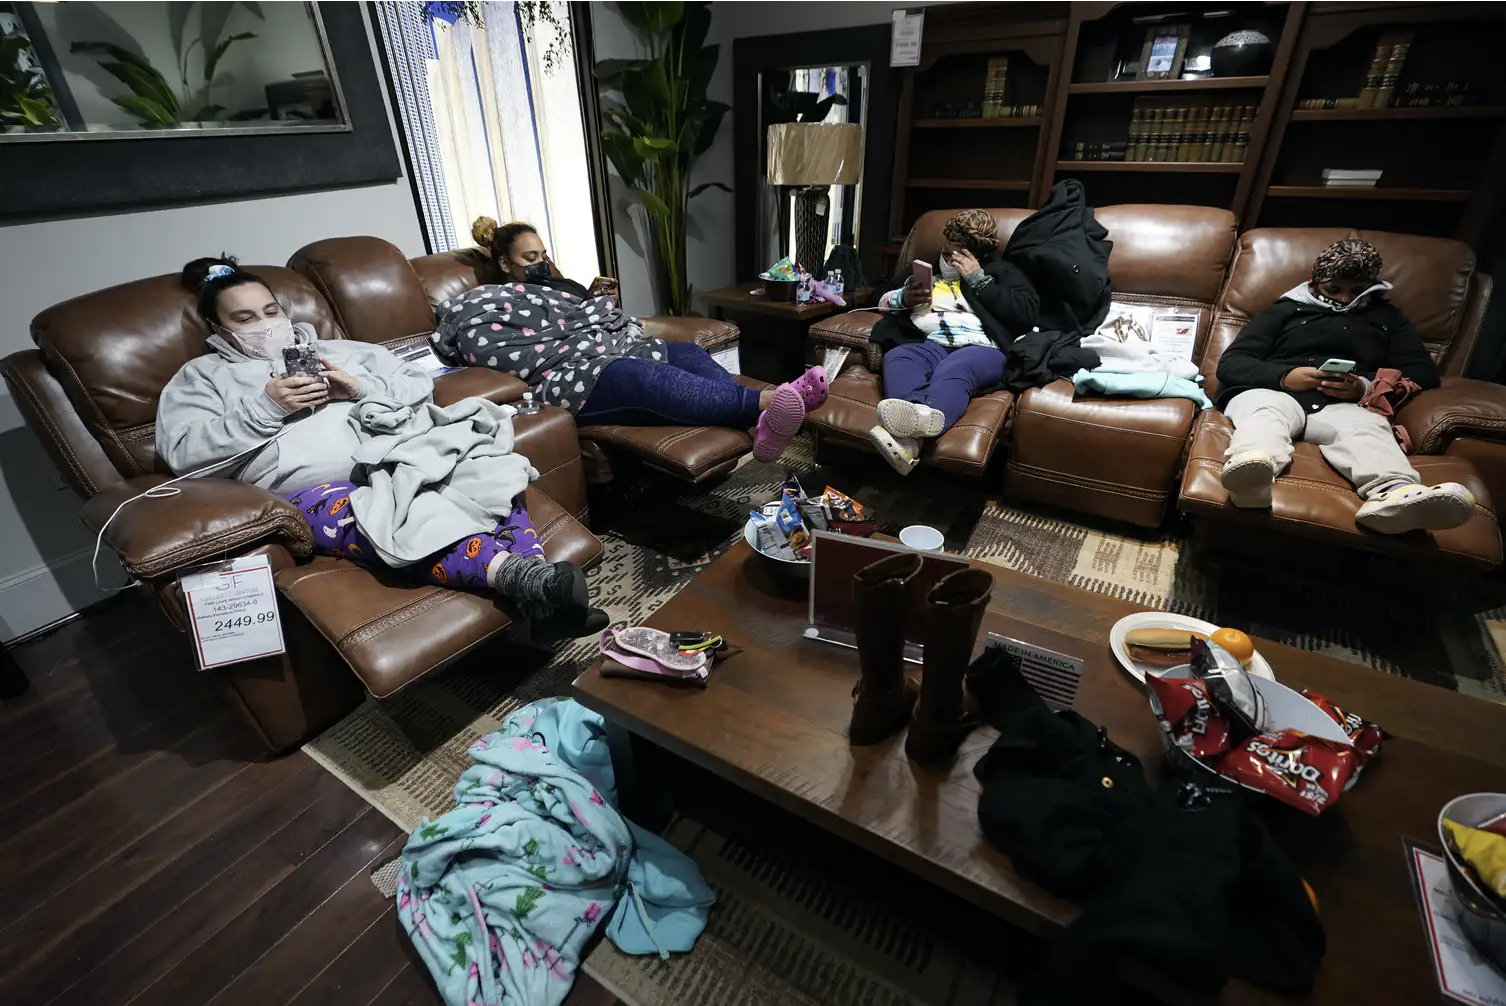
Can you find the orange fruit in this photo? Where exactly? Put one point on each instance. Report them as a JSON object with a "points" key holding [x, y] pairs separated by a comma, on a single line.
{"points": [[1237, 643]]}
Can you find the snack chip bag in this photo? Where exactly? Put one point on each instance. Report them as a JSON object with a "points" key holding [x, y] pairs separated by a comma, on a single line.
{"points": [[1299, 769], [787, 520], [843, 507], [1189, 715], [1364, 735]]}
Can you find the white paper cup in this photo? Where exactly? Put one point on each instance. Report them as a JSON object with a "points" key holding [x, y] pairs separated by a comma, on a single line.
{"points": [[922, 538]]}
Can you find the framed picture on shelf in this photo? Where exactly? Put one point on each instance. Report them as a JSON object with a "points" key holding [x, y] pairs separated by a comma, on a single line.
{"points": [[1165, 48]]}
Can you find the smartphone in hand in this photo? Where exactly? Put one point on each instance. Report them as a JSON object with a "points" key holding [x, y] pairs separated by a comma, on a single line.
{"points": [[1335, 365], [921, 274], [301, 359]]}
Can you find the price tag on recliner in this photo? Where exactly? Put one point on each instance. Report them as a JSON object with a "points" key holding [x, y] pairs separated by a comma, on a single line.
{"points": [[232, 611]]}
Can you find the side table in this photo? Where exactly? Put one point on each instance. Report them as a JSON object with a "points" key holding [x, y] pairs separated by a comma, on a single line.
{"points": [[774, 333]]}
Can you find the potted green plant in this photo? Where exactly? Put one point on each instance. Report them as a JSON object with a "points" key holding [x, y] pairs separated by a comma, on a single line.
{"points": [[662, 123], [26, 101], [151, 97]]}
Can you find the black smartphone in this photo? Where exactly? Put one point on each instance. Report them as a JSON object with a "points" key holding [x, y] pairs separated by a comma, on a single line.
{"points": [[301, 359]]}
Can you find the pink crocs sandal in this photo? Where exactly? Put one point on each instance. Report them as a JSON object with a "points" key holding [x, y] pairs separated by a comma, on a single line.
{"points": [[778, 424], [812, 387]]}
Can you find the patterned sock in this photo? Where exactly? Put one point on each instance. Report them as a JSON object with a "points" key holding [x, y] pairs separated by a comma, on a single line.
{"points": [[526, 580]]}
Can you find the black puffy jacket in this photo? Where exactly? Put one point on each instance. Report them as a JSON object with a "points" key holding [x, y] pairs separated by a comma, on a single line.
{"points": [[1289, 334]]}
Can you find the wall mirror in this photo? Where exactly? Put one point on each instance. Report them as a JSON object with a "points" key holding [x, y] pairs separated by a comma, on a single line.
{"points": [[812, 122], [103, 70]]}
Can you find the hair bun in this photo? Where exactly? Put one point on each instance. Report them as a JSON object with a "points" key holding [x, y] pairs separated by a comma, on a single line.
{"points": [[483, 230], [198, 273]]}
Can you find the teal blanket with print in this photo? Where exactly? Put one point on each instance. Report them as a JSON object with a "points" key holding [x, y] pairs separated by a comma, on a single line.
{"points": [[500, 894]]}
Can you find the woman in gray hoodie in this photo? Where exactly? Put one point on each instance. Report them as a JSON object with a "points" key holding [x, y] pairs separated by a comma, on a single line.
{"points": [[297, 440]]}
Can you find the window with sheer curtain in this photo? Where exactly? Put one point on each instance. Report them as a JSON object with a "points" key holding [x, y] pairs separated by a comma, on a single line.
{"points": [[487, 97]]}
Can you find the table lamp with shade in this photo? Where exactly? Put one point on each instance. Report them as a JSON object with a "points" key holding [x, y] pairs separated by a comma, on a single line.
{"points": [[811, 157]]}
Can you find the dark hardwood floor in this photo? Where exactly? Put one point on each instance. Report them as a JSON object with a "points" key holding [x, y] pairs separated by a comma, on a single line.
{"points": [[155, 855]]}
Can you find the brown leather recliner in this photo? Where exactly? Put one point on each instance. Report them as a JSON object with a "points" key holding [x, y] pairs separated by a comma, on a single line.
{"points": [[90, 389], [1453, 429], [1118, 458], [380, 296]]}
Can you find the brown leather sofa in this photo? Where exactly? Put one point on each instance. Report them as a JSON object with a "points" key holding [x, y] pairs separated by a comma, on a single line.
{"points": [[1117, 458], [379, 296], [1458, 431], [90, 392]]}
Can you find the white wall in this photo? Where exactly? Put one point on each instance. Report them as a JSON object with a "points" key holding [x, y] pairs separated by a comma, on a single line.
{"points": [[44, 559]]}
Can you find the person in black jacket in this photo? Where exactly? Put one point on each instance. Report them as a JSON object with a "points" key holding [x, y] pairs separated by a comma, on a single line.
{"points": [[946, 344], [1274, 393]]}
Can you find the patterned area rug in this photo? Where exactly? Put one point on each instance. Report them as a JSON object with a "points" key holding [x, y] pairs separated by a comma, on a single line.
{"points": [[404, 754], [784, 931]]}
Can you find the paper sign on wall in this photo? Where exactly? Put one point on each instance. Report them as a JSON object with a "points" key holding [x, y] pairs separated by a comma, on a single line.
{"points": [[904, 40], [232, 610]]}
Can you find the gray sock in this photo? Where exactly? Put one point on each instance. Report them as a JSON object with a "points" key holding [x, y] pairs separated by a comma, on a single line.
{"points": [[525, 581]]}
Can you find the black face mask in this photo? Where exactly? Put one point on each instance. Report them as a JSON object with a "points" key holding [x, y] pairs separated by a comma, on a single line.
{"points": [[537, 272]]}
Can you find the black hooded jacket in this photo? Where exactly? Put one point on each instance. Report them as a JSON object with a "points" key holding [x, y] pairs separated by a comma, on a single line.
{"points": [[1289, 334], [1064, 251]]}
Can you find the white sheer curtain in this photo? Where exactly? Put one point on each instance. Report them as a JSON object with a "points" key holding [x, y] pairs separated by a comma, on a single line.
{"points": [[507, 133]]}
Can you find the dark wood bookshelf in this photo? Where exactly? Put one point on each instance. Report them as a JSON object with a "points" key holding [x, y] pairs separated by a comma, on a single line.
{"points": [[988, 184], [1174, 167], [1368, 192], [1389, 114], [1168, 86], [1442, 167], [990, 123]]}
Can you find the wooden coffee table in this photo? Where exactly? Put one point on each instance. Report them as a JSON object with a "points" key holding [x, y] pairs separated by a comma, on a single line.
{"points": [[774, 719]]}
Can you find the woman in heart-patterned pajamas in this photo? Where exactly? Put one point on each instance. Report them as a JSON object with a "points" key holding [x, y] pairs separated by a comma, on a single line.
{"points": [[577, 349]]}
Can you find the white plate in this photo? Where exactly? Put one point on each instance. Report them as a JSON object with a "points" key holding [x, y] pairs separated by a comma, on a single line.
{"points": [[1166, 620]]}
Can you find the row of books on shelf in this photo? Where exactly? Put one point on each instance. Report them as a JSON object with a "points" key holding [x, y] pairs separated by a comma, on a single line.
{"points": [[1171, 130], [1413, 95], [975, 110], [996, 87], [1384, 71]]}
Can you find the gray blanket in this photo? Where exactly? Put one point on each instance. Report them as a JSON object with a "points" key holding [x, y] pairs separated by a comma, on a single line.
{"points": [[430, 476]]}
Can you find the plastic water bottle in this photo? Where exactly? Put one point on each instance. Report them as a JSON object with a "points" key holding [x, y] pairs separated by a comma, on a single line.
{"points": [[528, 406], [835, 283]]}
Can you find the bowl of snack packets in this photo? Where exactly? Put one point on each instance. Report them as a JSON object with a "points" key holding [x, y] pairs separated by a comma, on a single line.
{"points": [[1472, 830], [781, 530], [1297, 747]]}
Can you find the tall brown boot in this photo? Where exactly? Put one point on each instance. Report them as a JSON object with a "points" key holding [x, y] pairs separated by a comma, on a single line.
{"points": [[946, 714], [884, 696]]}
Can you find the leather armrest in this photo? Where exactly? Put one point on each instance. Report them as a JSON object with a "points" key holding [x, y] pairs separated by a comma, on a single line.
{"points": [[51, 416], [708, 333], [1461, 406], [208, 519], [852, 328], [478, 382]]}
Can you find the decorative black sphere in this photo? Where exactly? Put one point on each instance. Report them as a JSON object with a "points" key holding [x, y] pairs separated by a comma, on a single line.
{"points": [[1243, 54]]}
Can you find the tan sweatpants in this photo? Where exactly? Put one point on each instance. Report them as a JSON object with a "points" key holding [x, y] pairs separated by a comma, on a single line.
{"points": [[1357, 442]]}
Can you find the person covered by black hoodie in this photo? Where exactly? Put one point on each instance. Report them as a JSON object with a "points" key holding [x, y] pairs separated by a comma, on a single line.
{"points": [[1275, 393], [946, 344]]}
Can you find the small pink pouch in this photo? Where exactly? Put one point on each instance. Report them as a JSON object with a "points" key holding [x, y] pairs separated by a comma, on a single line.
{"points": [[641, 652]]}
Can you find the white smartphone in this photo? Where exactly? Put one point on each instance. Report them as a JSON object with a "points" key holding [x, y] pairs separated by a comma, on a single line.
{"points": [[1334, 365], [921, 273]]}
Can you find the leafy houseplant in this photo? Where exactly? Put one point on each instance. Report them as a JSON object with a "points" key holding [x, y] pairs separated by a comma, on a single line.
{"points": [[151, 98], [26, 100], [662, 125]]}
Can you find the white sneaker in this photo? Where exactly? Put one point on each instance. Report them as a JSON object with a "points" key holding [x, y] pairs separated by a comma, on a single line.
{"points": [[1247, 477], [1411, 506], [910, 419], [902, 453]]}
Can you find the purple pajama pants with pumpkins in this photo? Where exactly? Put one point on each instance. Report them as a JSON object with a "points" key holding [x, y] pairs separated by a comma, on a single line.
{"points": [[463, 564]]}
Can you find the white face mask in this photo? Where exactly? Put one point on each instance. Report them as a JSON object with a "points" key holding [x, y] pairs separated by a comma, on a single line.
{"points": [[265, 339], [948, 271]]}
